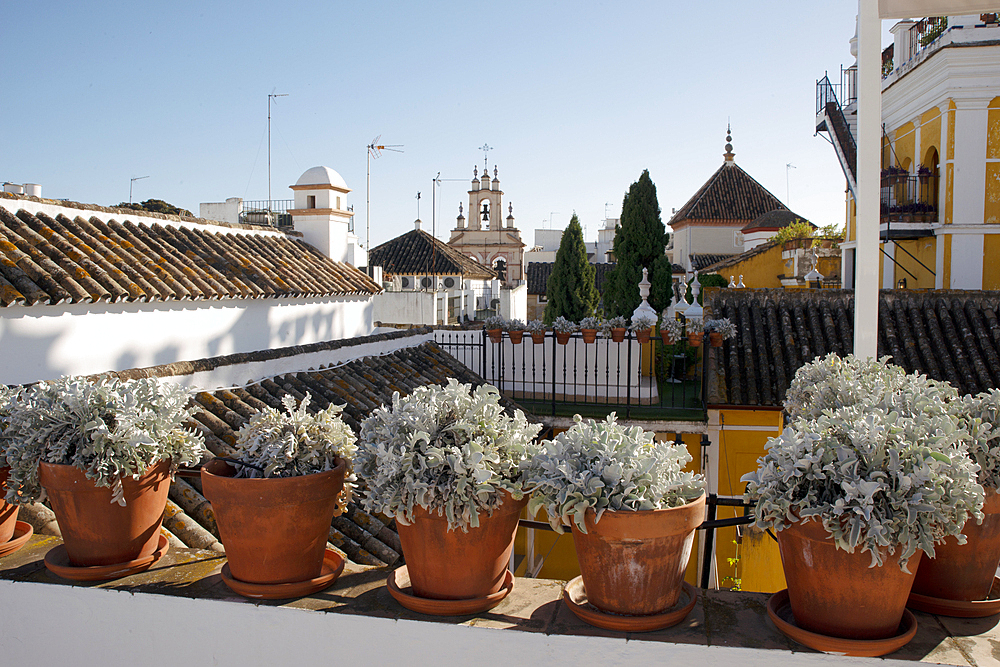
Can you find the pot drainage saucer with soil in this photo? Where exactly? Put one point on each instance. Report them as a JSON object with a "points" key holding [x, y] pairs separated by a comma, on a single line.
{"points": [[780, 613], [57, 562], [958, 608], [575, 597], [399, 587], [333, 565], [22, 533]]}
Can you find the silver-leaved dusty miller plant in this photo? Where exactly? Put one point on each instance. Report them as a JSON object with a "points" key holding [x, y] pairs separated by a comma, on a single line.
{"points": [[107, 428], [873, 453], [607, 466], [451, 450], [296, 442], [980, 415]]}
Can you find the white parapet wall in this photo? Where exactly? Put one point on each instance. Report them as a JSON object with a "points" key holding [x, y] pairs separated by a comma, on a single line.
{"points": [[49, 624], [45, 342]]}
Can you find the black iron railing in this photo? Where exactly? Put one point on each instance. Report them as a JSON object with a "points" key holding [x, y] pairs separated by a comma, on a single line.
{"points": [[264, 212], [550, 377], [909, 197]]}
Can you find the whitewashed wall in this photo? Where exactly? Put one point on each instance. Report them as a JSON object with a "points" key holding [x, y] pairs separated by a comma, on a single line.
{"points": [[44, 342], [404, 307], [74, 625]]}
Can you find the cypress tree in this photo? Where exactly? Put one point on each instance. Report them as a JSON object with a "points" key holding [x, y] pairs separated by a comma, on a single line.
{"points": [[571, 291], [639, 243]]}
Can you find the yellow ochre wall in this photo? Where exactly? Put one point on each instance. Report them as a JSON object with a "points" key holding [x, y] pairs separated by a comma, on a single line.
{"points": [[741, 440], [558, 550], [758, 271]]}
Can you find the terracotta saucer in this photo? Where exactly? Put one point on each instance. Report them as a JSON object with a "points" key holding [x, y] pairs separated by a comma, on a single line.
{"points": [[398, 583], [22, 533], [575, 597], [958, 608], [57, 562], [781, 614], [333, 565]]}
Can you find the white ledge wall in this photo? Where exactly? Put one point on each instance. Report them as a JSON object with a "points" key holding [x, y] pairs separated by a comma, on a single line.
{"points": [[45, 342], [75, 625]]}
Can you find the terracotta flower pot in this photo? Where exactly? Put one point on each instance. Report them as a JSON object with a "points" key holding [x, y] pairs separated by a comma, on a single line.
{"points": [[274, 529], [538, 337], [496, 335], [515, 337], [618, 334], [642, 335], [666, 337], [964, 572], [96, 531], [694, 339], [562, 337], [633, 562], [715, 339], [835, 593], [452, 565], [8, 512], [589, 335]]}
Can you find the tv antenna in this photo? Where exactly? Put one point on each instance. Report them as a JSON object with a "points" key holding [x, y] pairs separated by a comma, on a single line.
{"points": [[270, 98], [374, 151], [131, 181], [788, 167]]}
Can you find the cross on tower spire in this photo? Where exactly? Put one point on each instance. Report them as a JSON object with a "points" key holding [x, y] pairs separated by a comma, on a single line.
{"points": [[485, 148]]}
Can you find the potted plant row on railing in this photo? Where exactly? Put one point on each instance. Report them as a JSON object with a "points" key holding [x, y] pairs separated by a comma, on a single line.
{"points": [[875, 491]]}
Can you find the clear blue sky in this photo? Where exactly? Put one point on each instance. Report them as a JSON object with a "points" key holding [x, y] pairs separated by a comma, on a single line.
{"points": [[576, 99]]}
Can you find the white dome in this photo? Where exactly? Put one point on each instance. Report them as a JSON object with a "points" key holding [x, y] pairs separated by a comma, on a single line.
{"points": [[322, 176]]}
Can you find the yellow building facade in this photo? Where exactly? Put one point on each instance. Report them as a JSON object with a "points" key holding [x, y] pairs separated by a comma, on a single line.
{"points": [[940, 213]]}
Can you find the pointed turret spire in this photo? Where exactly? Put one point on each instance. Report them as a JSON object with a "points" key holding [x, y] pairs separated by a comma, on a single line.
{"points": [[729, 154]]}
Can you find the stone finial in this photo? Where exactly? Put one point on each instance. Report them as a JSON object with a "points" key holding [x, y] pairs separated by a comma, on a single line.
{"points": [[695, 309], [475, 172], [644, 308], [729, 154], [495, 172], [740, 284], [732, 282]]}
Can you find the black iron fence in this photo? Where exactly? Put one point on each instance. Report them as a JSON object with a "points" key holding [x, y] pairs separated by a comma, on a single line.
{"points": [[548, 376], [909, 197]]}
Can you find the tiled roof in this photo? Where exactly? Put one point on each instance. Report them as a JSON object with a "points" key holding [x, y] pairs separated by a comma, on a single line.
{"points": [[776, 219], [731, 260], [700, 261], [419, 253], [730, 194], [951, 335], [45, 260], [539, 272], [360, 386]]}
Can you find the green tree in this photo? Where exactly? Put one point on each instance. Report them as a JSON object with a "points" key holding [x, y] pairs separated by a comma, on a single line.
{"points": [[639, 243], [157, 206], [571, 291]]}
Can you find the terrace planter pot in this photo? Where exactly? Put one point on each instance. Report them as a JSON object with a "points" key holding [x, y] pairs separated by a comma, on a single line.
{"points": [[642, 335], [562, 337], [274, 529], [835, 593], [964, 572], [537, 337], [589, 335], [453, 565], [496, 335], [633, 562], [97, 531], [694, 339], [618, 334], [516, 336], [666, 338], [8, 512], [715, 339]]}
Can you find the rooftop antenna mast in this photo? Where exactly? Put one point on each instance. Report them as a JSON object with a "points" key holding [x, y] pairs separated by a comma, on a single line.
{"points": [[131, 181], [788, 198], [269, 99], [374, 151]]}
